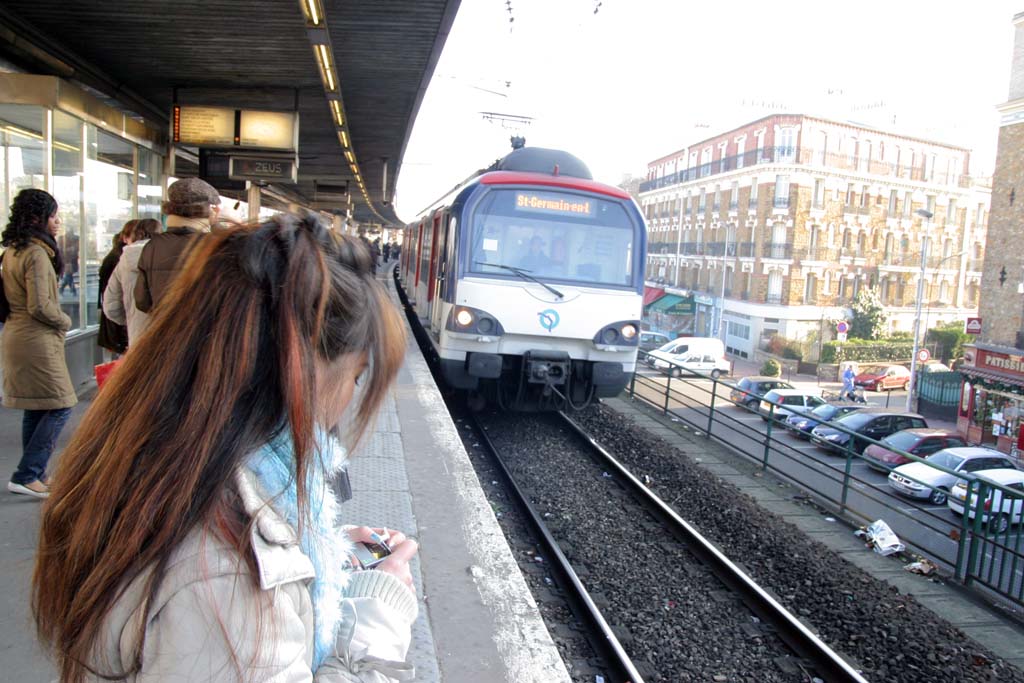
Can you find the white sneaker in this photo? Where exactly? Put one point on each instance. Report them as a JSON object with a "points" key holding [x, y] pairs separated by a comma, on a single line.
{"points": [[26, 491]]}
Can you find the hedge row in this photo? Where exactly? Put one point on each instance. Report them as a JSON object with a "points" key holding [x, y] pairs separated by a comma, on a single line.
{"points": [[866, 350]]}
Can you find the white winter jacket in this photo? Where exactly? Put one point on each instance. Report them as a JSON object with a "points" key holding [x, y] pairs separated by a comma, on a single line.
{"points": [[211, 622], [119, 297]]}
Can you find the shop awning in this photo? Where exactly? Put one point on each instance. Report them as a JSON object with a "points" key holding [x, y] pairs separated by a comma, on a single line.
{"points": [[671, 304], [992, 380], [651, 294]]}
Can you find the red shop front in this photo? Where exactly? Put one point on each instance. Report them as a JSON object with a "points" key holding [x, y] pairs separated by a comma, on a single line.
{"points": [[992, 397]]}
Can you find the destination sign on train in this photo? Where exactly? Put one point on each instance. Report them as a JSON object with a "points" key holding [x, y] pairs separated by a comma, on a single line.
{"points": [[553, 203]]}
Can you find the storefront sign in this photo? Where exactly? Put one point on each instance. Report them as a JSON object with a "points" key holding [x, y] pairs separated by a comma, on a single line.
{"points": [[1009, 365], [683, 307], [703, 300], [973, 326], [268, 169], [226, 127]]}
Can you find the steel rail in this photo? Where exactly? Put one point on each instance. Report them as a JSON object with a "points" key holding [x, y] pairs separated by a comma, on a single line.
{"points": [[829, 665], [604, 640]]}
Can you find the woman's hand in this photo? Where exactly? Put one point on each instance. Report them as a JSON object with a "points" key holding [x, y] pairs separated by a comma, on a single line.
{"points": [[402, 550]]}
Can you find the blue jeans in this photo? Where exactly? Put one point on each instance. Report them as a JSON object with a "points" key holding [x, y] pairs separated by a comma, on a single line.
{"points": [[39, 432]]}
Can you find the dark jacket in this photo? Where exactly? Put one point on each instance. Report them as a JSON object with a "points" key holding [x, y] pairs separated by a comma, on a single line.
{"points": [[161, 259], [111, 335]]}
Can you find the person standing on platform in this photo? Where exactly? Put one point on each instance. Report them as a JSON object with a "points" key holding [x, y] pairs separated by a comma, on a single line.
{"points": [[191, 208], [119, 298], [36, 377], [113, 335], [387, 252], [192, 533]]}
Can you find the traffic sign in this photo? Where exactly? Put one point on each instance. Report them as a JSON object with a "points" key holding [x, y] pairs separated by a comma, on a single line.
{"points": [[842, 327], [973, 326], [840, 336], [923, 356]]}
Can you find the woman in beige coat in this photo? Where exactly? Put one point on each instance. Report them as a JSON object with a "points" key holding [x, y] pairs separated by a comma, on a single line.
{"points": [[194, 536], [36, 377]]}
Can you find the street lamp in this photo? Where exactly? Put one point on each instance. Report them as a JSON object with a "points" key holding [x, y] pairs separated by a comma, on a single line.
{"points": [[926, 215]]}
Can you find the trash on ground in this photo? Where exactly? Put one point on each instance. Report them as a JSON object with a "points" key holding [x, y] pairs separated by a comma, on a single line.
{"points": [[880, 537], [923, 567], [830, 519]]}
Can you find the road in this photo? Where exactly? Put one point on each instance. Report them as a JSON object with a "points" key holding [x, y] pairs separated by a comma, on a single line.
{"points": [[933, 529]]}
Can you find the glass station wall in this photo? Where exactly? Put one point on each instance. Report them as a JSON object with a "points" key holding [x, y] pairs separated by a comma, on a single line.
{"points": [[100, 182]]}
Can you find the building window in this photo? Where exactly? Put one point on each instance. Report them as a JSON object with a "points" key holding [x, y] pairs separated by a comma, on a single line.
{"points": [[775, 287], [819, 193], [738, 330], [951, 211], [822, 151], [717, 206], [741, 143], [722, 149], [781, 191], [734, 196], [931, 204], [787, 144], [752, 199], [702, 201], [892, 202], [849, 194], [810, 288], [865, 156], [826, 289], [853, 147], [759, 137], [864, 196], [908, 203], [705, 162]]}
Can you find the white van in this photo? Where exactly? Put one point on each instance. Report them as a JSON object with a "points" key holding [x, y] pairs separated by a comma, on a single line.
{"points": [[700, 354]]}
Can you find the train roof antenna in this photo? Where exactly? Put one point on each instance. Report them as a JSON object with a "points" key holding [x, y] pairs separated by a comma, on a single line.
{"points": [[555, 171]]}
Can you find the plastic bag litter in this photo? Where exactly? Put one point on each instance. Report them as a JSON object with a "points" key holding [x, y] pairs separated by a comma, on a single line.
{"points": [[923, 567], [879, 536]]}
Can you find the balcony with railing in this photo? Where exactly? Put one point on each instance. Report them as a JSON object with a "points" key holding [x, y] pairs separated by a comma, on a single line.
{"points": [[781, 202], [975, 265], [745, 249], [777, 251], [773, 298], [807, 157], [815, 254]]}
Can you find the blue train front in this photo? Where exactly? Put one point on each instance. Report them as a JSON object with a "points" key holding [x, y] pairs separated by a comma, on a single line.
{"points": [[529, 283]]}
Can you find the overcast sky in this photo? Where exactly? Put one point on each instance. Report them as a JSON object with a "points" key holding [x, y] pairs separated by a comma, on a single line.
{"points": [[642, 78]]}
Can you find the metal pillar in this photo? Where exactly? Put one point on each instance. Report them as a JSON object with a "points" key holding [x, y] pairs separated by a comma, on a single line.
{"points": [[252, 198]]}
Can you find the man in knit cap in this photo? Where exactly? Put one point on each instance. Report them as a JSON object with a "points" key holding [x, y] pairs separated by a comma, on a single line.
{"points": [[192, 205]]}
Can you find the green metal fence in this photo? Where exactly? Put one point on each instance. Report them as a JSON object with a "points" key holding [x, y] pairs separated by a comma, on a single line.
{"points": [[977, 546]]}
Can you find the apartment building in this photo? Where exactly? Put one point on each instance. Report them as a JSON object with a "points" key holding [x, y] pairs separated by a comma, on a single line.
{"points": [[780, 222]]}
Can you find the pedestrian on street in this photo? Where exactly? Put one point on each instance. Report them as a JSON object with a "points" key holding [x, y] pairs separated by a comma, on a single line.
{"points": [[192, 206], [848, 387], [36, 377], [69, 268], [192, 533]]}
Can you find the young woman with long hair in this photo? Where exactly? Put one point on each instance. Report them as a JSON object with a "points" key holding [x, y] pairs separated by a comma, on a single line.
{"points": [[191, 532], [36, 377]]}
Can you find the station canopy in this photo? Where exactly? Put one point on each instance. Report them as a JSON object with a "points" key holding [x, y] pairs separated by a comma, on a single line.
{"points": [[143, 56]]}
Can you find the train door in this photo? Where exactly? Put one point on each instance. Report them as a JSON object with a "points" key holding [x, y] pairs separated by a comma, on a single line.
{"points": [[423, 267], [438, 265]]}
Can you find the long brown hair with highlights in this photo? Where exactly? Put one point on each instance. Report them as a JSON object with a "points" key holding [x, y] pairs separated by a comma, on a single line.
{"points": [[228, 362]]}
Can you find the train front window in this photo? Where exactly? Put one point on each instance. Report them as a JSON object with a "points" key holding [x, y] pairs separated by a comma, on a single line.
{"points": [[553, 236]]}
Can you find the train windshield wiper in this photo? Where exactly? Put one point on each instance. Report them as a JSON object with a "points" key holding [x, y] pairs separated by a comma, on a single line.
{"points": [[525, 274]]}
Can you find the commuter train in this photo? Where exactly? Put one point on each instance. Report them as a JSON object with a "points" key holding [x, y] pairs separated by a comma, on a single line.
{"points": [[528, 280]]}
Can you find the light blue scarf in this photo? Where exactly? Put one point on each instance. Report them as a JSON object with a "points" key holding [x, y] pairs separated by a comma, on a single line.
{"points": [[321, 540]]}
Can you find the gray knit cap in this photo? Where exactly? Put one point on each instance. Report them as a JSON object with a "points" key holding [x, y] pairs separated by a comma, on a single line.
{"points": [[190, 198]]}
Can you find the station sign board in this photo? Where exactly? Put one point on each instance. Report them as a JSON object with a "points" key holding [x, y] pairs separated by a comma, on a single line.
{"points": [[265, 169], [973, 326], [226, 127]]}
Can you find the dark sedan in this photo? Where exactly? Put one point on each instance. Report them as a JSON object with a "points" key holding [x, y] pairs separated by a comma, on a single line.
{"points": [[864, 423], [801, 425]]}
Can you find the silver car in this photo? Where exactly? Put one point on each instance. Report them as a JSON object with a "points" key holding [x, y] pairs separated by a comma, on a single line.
{"points": [[921, 480]]}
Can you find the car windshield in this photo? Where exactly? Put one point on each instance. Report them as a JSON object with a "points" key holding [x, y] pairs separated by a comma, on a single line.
{"points": [[667, 346], [945, 459], [855, 420], [825, 412], [872, 370], [903, 441], [558, 236]]}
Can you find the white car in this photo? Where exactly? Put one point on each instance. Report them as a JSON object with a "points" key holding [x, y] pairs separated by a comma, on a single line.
{"points": [[1000, 509], [921, 480], [790, 401], [705, 355]]}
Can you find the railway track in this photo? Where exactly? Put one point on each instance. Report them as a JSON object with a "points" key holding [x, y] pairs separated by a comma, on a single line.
{"points": [[755, 636]]}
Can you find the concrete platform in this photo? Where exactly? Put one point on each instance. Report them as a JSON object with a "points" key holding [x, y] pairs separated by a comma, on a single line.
{"points": [[478, 620]]}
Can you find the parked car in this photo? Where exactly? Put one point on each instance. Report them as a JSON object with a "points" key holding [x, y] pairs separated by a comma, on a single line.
{"points": [[872, 424], [1000, 510], [699, 354], [749, 391], [791, 401], [920, 442], [801, 425], [652, 340], [883, 377], [921, 480], [933, 367]]}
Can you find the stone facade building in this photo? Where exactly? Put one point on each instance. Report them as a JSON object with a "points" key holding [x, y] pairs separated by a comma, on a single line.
{"points": [[992, 396], [789, 216]]}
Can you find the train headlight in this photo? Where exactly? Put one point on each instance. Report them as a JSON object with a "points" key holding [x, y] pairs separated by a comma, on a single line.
{"points": [[629, 331], [610, 335], [468, 320], [622, 335], [485, 326], [464, 318]]}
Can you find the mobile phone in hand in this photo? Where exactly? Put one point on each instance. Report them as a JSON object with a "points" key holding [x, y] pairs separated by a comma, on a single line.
{"points": [[370, 554]]}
